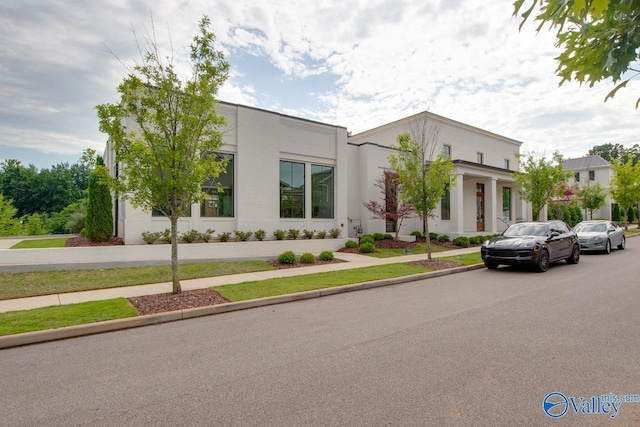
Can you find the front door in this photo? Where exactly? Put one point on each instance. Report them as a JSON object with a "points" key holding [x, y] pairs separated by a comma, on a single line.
{"points": [[479, 207]]}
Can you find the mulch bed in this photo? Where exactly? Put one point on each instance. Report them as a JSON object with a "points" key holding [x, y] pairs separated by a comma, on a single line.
{"points": [[160, 303], [297, 263], [83, 241]]}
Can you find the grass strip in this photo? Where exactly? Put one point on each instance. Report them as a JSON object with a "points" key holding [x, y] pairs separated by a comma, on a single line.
{"points": [[466, 259], [288, 285], [39, 319], [35, 283], [419, 248], [40, 243]]}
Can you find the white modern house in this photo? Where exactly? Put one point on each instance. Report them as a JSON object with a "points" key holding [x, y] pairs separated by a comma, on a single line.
{"points": [[482, 198], [290, 173], [589, 170]]}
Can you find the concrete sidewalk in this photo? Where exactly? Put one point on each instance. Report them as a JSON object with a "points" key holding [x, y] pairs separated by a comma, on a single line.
{"points": [[351, 261]]}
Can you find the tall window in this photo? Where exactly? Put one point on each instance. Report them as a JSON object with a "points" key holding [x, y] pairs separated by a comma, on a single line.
{"points": [[506, 164], [479, 158], [219, 204], [592, 175], [446, 149], [506, 203], [445, 204], [577, 177], [291, 189], [321, 191]]}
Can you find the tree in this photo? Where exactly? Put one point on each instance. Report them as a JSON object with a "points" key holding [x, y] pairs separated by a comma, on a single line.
{"points": [[9, 224], [599, 38], [99, 218], [423, 174], [394, 208], [538, 180], [566, 196], [592, 197], [164, 163], [625, 186], [17, 183], [609, 152]]}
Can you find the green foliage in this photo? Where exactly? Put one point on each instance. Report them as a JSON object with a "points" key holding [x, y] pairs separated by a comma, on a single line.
{"points": [[75, 223], [190, 236], [224, 237], [99, 218], [367, 238], [293, 233], [243, 236], [538, 180], [287, 257], [56, 224], [476, 240], [279, 234], [625, 185], [611, 152], [378, 236], [416, 233], [350, 244], [335, 232], [165, 163], [150, 237], [322, 234], [599, 39], [260, 234], [592, 197], [433, 236], [462, 241], [9, 224], [617, 213], [443, 238], [165, 235], [367, 247], [33, 225], [307, 258], [206, 236], [388, 236], [308, 234], [326, 256]]}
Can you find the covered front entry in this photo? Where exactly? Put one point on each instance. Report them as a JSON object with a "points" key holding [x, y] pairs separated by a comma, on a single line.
{"points": [[479, 207]]}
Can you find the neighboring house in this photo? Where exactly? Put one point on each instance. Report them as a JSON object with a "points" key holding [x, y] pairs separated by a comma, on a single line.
{"points": [[592, 170], [283, 173], [482, 198], [290, 173]]}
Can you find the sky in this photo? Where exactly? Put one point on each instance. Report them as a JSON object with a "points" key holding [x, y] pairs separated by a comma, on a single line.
{"points": [[357, 64]]}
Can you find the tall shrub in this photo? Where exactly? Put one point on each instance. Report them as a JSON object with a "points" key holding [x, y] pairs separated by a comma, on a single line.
{"points": [[99, 219]]}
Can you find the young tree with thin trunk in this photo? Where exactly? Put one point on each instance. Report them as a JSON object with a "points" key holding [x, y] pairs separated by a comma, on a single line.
{"points": [[625, 186], [394, 208], [422, 168], [163, 163], [592, 197]]}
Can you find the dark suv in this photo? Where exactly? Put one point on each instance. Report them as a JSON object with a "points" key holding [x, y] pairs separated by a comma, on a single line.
{"points": [[532, 243]]}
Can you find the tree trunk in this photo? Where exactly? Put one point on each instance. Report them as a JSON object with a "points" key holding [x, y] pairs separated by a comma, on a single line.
{"points": [[175, 279], [427, 238]]}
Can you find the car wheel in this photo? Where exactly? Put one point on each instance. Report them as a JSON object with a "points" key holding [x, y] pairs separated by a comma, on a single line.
{"points": [[607, 247], [490, 265], [543, 261], [623, 243], [575, 255]]}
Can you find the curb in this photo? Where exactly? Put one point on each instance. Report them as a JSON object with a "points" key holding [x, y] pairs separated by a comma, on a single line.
{"points": [[36, 337]]}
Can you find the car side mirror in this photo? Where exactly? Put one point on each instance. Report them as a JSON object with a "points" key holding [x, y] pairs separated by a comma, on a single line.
{"points": [[554, 234]]}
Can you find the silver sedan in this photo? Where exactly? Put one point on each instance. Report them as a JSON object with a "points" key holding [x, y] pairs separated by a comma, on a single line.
{"points": [[599, 236]]}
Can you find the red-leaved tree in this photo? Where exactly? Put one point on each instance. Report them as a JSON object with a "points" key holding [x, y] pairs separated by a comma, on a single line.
{"points": [[393, 209]]}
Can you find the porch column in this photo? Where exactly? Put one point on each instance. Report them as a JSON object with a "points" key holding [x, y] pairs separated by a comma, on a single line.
{"points": [[457, 205]]}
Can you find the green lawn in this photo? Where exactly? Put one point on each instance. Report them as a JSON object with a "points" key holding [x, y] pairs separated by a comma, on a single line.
{"points": [[21, 285], [466, 259], [287, 285], [41, 243], [16, 322], [419, 248]]}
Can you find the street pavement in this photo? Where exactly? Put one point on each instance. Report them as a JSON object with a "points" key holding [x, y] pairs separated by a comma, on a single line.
{"points": [[481, 348]]}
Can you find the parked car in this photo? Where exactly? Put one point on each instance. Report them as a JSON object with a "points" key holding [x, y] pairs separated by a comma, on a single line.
{"points": [[600, 236], [537, 244]]}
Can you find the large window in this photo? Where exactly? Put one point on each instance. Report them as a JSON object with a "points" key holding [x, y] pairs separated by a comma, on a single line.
{"points": [[291, 189], [219, 204], [321, 191], [506, 203], [445, 204]]}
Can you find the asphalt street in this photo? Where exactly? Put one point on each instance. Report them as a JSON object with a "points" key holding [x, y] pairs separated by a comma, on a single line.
{"points": [[480, 348]]}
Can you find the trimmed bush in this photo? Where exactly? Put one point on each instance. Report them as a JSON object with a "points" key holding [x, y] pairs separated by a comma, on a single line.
{"points": [[293, 233], [335, 232], [322, 234], [463, 241], [443, 238], [278, 234], [416, 233], [367, 238], [287, 257], [190, 236], [206, 236], [433, 236], [150, 237], [307, 258], [308, 234], [378, 236], [350, 244], [366, 248], [260, 234], [224, 237], [243, 236], [326, 256], [98, 219], [388, 237], [476, 240]]}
